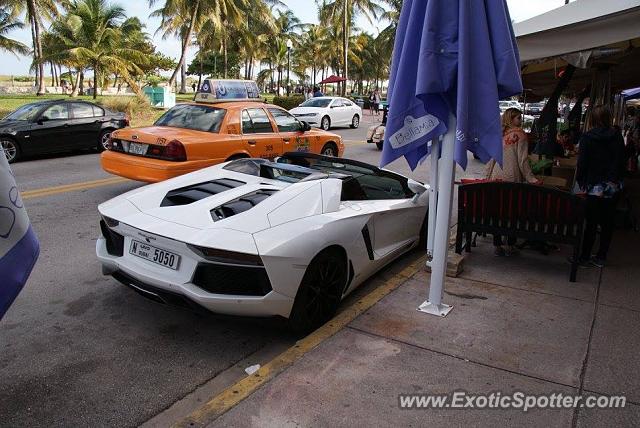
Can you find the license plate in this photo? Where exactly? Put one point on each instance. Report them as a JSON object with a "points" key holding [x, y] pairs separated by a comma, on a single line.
{"points": [[138, 149], [154, 254]]}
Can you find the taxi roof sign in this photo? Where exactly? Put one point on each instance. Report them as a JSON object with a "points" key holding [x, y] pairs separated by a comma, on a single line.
{"points": [[221, 90]]}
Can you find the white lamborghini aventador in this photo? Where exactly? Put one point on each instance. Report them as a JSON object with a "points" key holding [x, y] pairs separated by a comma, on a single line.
{"points": [[255, 237]]}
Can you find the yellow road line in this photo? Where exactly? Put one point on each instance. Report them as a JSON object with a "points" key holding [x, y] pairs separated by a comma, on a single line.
{"points": [[248, 385], [354, 142], [48, 191]]}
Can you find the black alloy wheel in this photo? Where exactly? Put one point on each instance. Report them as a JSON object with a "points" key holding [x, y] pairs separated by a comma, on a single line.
{"points": [[320, 292]]}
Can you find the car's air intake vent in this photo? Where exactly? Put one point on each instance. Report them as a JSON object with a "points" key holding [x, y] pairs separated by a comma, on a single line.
{"points": [[241, 204], [196, 192]]}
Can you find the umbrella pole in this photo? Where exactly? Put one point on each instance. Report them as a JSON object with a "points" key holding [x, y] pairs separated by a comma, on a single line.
{"points": [[434, 305], [433, 198]]}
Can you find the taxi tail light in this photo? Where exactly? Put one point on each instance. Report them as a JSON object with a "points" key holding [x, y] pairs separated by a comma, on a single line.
{"points": [[175, 151], [127, 120], [115, 145]]}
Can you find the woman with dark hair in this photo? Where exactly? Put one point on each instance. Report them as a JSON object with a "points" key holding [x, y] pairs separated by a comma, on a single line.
{"points": [[599, 177]]}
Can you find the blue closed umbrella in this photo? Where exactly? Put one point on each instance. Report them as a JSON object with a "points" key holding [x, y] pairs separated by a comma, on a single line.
{"points": [[453, 60], [456, 57]]}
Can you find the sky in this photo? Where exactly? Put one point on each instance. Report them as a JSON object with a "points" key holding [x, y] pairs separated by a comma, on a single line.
{"points": [[305, 10]]}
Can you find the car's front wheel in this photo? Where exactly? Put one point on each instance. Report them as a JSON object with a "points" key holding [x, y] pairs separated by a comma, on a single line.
{"points": [[329, 149], [355, 122], [10, 148], [325, 123], [103, 139], [320, 291]]}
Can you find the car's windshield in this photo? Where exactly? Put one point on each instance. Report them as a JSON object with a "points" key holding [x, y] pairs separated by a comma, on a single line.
{"points": [[26, 112], [316, 102], [196, 117]]}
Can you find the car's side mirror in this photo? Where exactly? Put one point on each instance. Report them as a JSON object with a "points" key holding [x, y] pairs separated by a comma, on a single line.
{"points": [[42, 120], [306, 127], [416, 188]]}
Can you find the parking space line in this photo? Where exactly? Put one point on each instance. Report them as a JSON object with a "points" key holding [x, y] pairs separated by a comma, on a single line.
{"points": [[234, 394], [48, 191]]}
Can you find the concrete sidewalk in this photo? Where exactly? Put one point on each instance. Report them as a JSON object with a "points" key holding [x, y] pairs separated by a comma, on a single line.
{"points": [[518, 324]]}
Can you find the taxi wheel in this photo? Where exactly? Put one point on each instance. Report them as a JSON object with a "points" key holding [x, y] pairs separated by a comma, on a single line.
{"points": [[103, 140], [325, 124], [355, 122], [379, 145], [11, 149], [329, 149]]}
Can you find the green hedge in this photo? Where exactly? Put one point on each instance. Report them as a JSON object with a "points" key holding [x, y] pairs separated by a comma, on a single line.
{"points": [[288, 103]]}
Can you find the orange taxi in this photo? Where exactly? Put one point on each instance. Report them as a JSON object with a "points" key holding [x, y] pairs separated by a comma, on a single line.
{"points": [[211, 130]]}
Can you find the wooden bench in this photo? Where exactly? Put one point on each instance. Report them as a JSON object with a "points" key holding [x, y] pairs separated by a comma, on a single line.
{"points": [[523, 210]]}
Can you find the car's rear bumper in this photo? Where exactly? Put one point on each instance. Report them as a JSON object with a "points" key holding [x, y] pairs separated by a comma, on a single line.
{"points": [[147, 169], [151, 284]]}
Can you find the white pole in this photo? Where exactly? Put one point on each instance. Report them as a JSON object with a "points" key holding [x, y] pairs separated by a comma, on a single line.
{"points": [[433, 198], [434, 305]]}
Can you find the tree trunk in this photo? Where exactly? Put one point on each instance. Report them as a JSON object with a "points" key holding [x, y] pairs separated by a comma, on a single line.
{"points": [[185, 43], [226, 59], [313, 71], [345, 44], [95, 81], [37, 45], [81, 84], [271, 74], [183, 79], [76, 83], [115, 79], [53, 75]]}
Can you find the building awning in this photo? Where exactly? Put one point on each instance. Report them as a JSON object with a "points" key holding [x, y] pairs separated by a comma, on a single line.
{"points": [[586, 33]]}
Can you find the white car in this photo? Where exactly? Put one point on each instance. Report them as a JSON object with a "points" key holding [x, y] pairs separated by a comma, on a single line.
{"points": [[258, 238], [328, 112]]}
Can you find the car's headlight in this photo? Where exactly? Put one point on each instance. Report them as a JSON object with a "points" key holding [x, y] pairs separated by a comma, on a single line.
{"points": [[306, 114]]}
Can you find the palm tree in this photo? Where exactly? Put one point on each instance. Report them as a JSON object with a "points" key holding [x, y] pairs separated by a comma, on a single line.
{"points": [[36, 12], [314, 46], [90, 37], [345, 11], [184, 18], [7, 24]]}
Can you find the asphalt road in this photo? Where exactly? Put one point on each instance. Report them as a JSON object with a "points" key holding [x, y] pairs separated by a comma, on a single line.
{"points": [[79, 349]]}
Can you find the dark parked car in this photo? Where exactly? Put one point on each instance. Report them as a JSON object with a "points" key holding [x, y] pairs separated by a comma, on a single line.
{"points": [[57, 126], [534, 109]]}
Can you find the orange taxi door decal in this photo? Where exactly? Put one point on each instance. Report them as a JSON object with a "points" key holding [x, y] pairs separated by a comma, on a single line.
{"points": [[258, 135], [293, 139]]}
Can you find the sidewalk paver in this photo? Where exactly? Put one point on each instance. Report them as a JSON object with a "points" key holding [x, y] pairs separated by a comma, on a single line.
{"points": [[536, 334], [629, 416], [613, 366], [353, 379]]}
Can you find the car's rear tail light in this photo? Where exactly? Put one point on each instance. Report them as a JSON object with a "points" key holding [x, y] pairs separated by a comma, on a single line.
{"points": [[115, 145], [126, 120], [114, 241], [110, 221], [175, 151], [228, 257]]}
